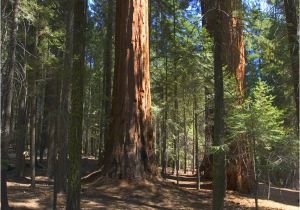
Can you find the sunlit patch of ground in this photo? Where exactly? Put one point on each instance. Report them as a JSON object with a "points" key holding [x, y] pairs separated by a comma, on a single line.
{"points": [[160, 193], [136, 194]]}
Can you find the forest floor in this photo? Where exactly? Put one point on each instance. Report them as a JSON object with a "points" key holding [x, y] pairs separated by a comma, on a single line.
{"points": [[158, 193]]}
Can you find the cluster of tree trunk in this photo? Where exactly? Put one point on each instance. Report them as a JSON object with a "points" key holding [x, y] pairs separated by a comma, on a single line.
{"points": [[127, 147]]}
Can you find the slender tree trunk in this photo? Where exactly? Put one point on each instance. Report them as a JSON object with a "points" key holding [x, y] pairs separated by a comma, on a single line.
{"points": [[51, 103], [193, 163], [292, 24], [60, 182], [107, 66], [219, 156], [185, 138], [21, 126], [32, 77], [32, 133], [165, 137], [197, 144], [207, 8], [176, 141], [255, 173], [6, 103], [21, 135], [129, 154], [76, 116], [176, 138]]}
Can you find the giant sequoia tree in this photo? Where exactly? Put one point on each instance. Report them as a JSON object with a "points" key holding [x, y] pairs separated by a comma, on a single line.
{"points": [[240, 174], [129, 147]]}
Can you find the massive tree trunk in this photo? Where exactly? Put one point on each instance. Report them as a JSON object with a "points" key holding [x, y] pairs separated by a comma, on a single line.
{"points": [[240, 174], [129, 150], [218, 141], [239, 169], [234, 48], [292, 24], [6, 100], [75, 132]]}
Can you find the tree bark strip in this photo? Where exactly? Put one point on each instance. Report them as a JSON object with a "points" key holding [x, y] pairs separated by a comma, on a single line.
{"points": [[130, 149], [76, 116], [219, 155]]}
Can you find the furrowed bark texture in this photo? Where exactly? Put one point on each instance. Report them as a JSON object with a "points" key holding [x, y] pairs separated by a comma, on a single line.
{"points": [[130, 144], [234, 48], [240, 175], [76, 116]]}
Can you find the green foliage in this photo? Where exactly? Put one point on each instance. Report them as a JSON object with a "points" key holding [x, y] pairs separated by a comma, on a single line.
{"points": [[259, 120]]}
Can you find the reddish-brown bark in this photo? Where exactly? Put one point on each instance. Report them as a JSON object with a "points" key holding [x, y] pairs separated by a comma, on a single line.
{"points": [[240, 174], [234, 47], [130, 142]]}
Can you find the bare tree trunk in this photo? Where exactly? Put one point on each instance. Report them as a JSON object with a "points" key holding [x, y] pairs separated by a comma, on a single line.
{"points": [[292, 24], [21, 126], [52, 104], [207, 8], [32, 133], [76, 116], [107, 65], [60, 178], [165, 137], [197, 143], [255, 173], [130, 151], [6, 103], [219, 156], [185, 138], [193, 163], [176, 137]]}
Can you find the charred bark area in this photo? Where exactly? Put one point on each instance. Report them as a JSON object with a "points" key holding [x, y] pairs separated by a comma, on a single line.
{"points": [[129, 150]]}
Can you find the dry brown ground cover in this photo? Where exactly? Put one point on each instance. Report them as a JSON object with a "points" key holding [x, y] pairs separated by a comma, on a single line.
{"points": [[162, 194]]}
